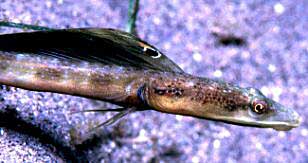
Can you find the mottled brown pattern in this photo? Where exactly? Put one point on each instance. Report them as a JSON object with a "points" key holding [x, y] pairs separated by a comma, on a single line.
{"points": [[49, 74], [3, 66], [101, 79], [169, 91], [200, 97]]}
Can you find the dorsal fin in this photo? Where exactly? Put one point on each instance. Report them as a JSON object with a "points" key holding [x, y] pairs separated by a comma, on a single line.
{"points": [[105, 46]]}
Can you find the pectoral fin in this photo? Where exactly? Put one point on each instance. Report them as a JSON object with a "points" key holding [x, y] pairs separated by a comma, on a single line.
{"points": [[103, 46]]}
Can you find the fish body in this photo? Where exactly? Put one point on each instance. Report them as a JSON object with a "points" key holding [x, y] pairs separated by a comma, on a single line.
{"points": [[120, 68]]}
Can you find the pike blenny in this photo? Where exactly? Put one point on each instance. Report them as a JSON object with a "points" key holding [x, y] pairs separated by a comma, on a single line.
{"points": [[120, 68]]}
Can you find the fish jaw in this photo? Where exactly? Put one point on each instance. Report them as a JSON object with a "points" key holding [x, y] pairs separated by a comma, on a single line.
{"points": [[277, 116], [284, 118]]}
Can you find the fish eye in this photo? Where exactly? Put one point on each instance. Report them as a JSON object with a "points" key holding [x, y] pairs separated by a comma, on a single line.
{"points": [[259, 107]]}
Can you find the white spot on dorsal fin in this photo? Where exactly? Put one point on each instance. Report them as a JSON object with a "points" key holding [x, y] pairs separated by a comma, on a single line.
{"points": [[146, 47], [158, 55], [153, 56]]}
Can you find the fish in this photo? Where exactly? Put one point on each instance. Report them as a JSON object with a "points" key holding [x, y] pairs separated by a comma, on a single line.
{"points": [[117, 67]]}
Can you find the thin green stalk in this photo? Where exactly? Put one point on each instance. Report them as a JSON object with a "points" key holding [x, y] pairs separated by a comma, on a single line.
{"points": [[130, 26], [23, 26], [132, 16]]}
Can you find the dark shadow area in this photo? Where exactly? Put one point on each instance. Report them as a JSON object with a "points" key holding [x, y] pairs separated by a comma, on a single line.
{"points": [[229, 40], [10, 119]]}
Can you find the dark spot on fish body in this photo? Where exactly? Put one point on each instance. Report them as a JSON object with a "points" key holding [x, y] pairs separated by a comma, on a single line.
{"points": [[220, 99], [98, 79], [6, 61], [178, 93], [4, 65], [169, 91], [205, 101], [199, 96], [48, 74], [235, 100], [230, 106], [5, 56]]}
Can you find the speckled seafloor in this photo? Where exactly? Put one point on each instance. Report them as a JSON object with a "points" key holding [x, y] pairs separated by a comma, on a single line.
{"points": [[273, 57]]}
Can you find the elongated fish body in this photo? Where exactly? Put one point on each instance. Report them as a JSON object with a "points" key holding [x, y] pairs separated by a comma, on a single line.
{"points": [[117, 67], [43, 73]]}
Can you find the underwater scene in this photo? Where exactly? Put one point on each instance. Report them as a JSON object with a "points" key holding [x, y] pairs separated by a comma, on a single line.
{"points": [[154, 81]]}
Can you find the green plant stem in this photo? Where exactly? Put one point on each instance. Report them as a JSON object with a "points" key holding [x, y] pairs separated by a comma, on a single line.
{"points": [[130, 26], [23, 26], [132, 16]]}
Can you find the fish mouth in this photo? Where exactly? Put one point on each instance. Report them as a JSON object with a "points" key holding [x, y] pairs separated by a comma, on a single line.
{"points": [[276, 125], [281, 126], [285, 126], [282, 119]]}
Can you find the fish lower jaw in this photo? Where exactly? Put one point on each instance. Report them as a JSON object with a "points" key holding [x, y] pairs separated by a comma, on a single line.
{"points": [[287, 126], [278, 126]]}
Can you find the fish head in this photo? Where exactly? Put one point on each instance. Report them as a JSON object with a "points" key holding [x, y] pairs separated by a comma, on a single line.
{"points": [[264, 112], [253, 109], [220, 102]]}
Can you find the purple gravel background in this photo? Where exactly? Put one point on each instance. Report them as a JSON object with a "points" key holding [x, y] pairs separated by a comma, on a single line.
{"points": [[39, 126]]}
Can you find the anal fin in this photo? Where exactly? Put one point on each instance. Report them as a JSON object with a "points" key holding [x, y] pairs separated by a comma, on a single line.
{"points": [[121, 113]]}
